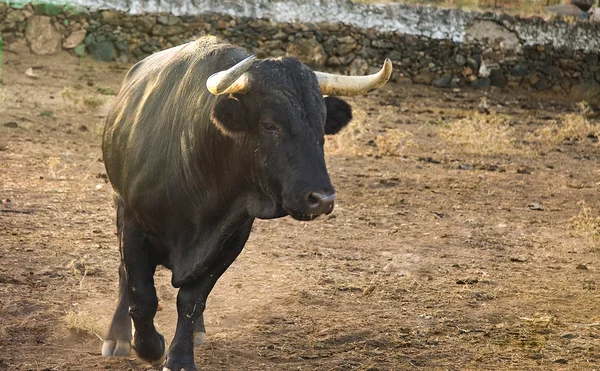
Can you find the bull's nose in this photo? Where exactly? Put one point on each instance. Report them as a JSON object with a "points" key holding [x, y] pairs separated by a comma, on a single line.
{"points": [[320, 203]]}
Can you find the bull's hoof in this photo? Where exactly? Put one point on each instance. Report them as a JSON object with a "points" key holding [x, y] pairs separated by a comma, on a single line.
{"points": [[199, 337], [118, 348], [180, 368], [158, 364], [180, 364], [151, 349]]}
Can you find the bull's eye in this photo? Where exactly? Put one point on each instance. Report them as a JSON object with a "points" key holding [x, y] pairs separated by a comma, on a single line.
{"points": [[269, 127]]}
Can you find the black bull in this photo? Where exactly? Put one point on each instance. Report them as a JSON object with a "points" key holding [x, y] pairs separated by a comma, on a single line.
{"points": [[193, 166]]}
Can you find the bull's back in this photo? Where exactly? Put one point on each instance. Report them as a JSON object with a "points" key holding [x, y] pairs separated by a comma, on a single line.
{"points": [[162, 108]]}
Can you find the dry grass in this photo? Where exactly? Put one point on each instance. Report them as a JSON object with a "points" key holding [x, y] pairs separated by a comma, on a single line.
{"points": [[82, 323], [69, 95], [393, 143], [72, 97], [485, 135], [586, 223], [359, 138], [54, 166], [93, 102], [349, 140], [571, 127], [106, 91], [2, 97]]}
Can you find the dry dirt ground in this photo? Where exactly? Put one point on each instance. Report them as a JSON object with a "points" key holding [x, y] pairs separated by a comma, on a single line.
{"points": [[465, 237]]}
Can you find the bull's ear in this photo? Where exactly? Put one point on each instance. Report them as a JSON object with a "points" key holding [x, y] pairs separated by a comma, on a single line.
{"points": [[339, 114], [228, 115]]}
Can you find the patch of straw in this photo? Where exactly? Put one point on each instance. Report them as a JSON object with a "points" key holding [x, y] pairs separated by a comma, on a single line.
{"points": [[571, 127], [82, 323], [486, 135]]}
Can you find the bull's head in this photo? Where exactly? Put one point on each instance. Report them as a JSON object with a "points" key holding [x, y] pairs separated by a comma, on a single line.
{"points": [[277, 106]]}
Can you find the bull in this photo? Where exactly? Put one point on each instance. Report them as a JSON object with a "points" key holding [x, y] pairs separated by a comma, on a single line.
{"points": [[202, 139]]}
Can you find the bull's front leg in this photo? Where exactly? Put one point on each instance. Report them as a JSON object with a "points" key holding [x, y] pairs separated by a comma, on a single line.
{"points": [[191, 301], [139, 267]]}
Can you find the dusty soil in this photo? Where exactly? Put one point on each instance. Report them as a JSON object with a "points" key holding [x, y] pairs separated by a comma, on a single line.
{"points": [[440, 254]]}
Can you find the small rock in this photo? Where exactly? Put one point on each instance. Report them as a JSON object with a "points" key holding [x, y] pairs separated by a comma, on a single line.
{"points": [[519, 70], [109, 14], [48, 9], [382, 44], [423, 78], [552, 71], [466, 167], [80, 50], [74, 39], [443, 82], [467, 281], [518, 259], [474, 62], [582, 267], [484, 71], [586, 91], [42, 36], [432, 341], [460, 60], [569, 64], [11, 125], [221, 24], [334, 61], [497, 78], [29, 72], [568, 336], [168, 20], [308, 51], [394, 55], [358, 67], [535, 206], [481, 83], [104, 51], [562, 361], [15, 16], [543, 84]]}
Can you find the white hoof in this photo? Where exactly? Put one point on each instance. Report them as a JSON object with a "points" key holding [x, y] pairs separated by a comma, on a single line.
{"points": [[107, 348], [199, 337], [119, 348]]}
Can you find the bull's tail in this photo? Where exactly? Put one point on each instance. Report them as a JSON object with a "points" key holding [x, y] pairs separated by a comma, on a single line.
{"points": [[120, 206]]}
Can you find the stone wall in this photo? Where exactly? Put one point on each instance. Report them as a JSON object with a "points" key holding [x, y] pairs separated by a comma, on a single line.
{"points": [[447, 48]]}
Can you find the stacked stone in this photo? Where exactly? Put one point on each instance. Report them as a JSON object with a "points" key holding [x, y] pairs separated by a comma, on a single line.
{"points": [[478, 62]]}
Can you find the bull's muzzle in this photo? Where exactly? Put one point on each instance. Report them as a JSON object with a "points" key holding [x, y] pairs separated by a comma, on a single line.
{"points": [[320, 203]]}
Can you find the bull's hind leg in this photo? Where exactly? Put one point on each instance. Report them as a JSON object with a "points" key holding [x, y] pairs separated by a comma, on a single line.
{"points": [[191, 301], [118, 341], [140, 266]]}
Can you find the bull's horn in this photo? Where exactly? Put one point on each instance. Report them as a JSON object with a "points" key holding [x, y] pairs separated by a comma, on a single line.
{"points": [[231, 81], [353, 85]]}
